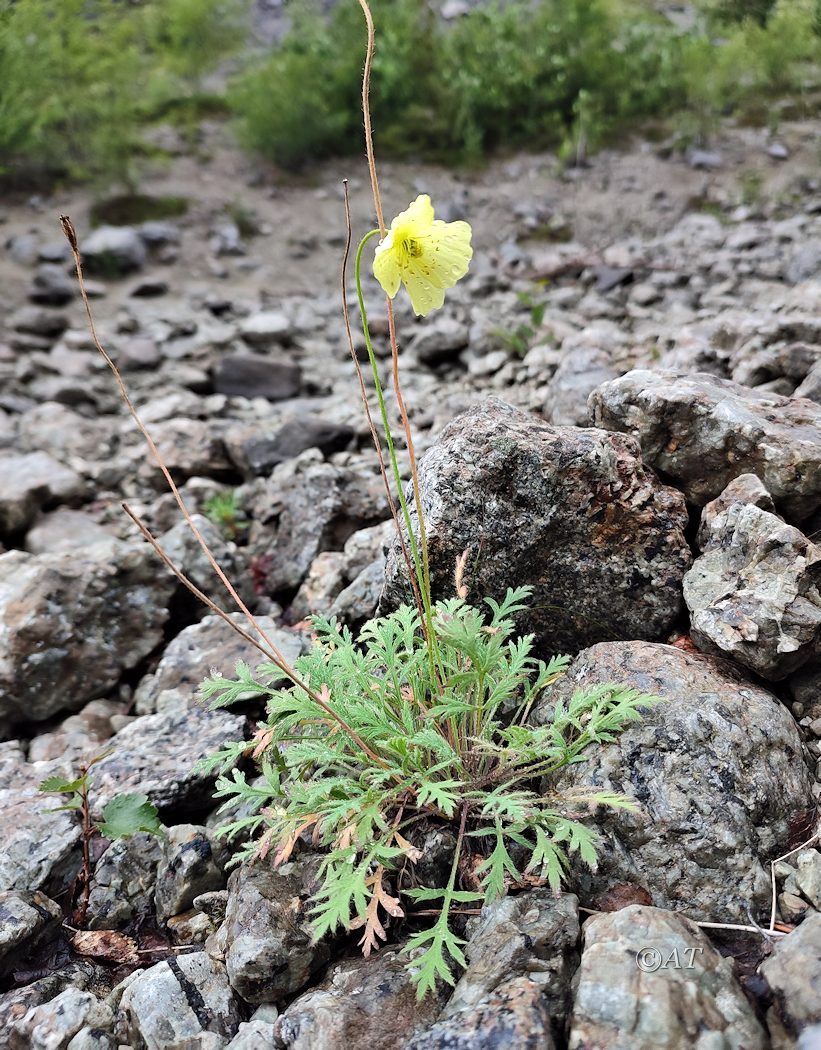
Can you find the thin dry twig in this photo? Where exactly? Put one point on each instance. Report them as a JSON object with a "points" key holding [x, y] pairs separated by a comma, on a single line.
{"points": [[366, 115], [773, 863], [192, 587], [275, 655], [397, 387], [712, 925]]}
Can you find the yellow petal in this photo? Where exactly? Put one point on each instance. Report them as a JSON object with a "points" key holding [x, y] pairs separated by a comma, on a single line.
{"points": [[425, 292], [386, 266], [416, 218], [447, 251]]}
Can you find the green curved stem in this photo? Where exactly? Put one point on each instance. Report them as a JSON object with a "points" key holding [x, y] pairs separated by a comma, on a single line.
{"points": [[419, 566]]}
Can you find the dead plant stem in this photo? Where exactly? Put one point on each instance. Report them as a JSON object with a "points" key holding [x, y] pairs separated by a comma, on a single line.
{"points": [[275, 654]]}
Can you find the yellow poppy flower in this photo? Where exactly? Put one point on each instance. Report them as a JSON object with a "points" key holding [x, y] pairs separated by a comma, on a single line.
{"points": [[425, 254]]}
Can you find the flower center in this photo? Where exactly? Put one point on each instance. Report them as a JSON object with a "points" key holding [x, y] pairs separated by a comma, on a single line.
{"points": [[407, 246]]}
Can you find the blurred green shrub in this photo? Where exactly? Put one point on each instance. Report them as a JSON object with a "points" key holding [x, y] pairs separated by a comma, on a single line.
{"points": [[71, 86], [550, 73], [79, 78]]}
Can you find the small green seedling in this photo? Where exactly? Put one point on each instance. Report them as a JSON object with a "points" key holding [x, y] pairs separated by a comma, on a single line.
{"points": [[122, 816]]}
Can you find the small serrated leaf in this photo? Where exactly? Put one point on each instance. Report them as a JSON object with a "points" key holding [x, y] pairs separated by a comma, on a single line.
{"points": [[57, 785], [127, 814]]}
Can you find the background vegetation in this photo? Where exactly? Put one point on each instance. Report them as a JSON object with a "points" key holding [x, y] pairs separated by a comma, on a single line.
{"points": [[83, 78]]}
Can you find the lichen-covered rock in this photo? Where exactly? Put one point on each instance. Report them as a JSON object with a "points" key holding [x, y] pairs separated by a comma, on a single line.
{"points": [[40, 848], [793, 973], [183, 1002], [702, 431], [269, 950], [755, 592], [123, 882], [745, 489], [187, 868], [651, 980], [533, 935], [52, 1025], [26, 920], [716, 771], [70, 624], [363, 1004], [513, 1015], [211, 643], [305, 507], [157, 755], [571, 512]]}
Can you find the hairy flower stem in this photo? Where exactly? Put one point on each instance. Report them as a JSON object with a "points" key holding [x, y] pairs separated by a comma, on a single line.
{"points": [[368, 414], [424, 576], [423, 583]]}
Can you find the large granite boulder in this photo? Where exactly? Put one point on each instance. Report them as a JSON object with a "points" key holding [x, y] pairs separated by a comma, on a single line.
{"points": [[571, 512], [651, 980], [72, 623], [755, 592], [701, 432], [716, 771]]}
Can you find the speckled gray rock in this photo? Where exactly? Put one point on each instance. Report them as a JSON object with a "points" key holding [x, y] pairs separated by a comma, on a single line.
{"points": [[123, 882], [77, 736], [187, 868], [26, 920], [29, 482], [52, 1025], [181, 1003], [308, 506], [156, 755], [92, 1039], [15, 1004], [702, 432], [793, 973], [41, 848], [269, 950], [67, 530], [182, 546], [808, 875], [716, 770], [514, 1015], [533, 935], [755, 592], [70, 624], [583, 368], [651, 980], [571, 512], [363, 1004], [209, 644], [189, 447], [745, 489], [258, 1032]]}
